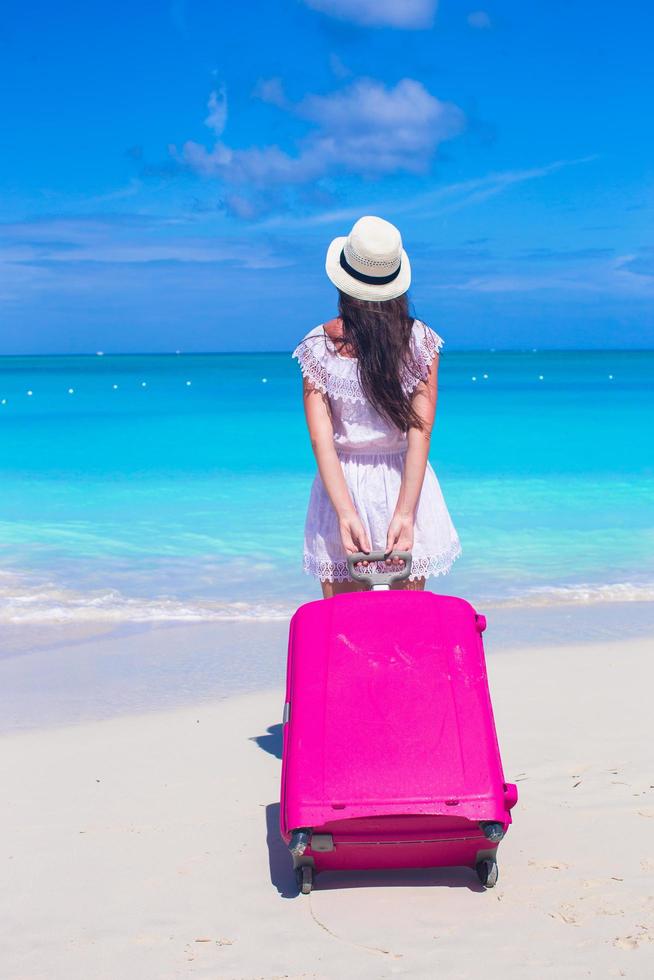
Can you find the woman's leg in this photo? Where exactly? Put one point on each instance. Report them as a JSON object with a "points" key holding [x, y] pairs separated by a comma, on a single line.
{"points": [[408, 585], [330, 589]]}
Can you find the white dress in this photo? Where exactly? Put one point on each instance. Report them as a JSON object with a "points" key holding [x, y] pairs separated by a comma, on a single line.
{"points": [[372, 452]]}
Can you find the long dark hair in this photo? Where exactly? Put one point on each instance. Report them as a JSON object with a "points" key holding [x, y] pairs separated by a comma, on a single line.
{"points": [[378, 334]]}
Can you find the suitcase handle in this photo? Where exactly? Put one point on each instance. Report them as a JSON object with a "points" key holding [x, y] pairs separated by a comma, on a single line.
{"points": [[379, 580]]}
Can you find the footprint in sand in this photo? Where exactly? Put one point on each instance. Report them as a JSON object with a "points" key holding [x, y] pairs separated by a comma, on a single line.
{"points": [[632, 942], [548, 865], [565, 913]]}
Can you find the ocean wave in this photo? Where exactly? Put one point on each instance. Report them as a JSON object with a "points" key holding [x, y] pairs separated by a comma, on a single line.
{"points": [[44, 603], [583, 594]]}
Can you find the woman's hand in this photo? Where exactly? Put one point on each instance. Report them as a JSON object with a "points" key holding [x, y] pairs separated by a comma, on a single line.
{"points": [[399, 536], [400, 530], [353, 534]]}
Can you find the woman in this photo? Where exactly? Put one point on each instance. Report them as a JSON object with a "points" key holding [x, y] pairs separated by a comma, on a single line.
{"points": [[370, 385]]}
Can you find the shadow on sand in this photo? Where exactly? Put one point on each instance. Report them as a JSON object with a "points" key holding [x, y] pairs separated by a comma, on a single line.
{"points": [[279, 858], [272, 741], [283, 877]]}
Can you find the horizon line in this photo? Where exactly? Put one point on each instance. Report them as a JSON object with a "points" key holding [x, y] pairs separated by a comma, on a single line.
{"points": [[231, 353]]}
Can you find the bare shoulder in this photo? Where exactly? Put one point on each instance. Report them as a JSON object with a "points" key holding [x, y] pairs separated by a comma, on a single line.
{"points": [[334, 328]]}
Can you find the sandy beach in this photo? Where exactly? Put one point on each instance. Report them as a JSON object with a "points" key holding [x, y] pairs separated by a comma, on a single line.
{"points": [[146, 845]]}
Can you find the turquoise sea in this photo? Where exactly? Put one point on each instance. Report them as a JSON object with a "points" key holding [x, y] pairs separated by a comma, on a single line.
{"points": [[174, 487]]}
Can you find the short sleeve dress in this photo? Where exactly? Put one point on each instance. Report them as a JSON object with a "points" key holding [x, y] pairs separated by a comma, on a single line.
{"points": [[372, 452]]}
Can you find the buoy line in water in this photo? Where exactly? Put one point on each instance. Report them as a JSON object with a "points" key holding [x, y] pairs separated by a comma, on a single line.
{"points": [[144, 384]]}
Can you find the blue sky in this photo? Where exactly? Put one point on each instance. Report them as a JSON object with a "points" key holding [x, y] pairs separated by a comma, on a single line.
{"points": [[172, 173]]}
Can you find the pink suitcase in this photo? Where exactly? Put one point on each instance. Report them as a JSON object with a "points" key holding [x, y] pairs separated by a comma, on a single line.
{"points": [[390, 756]]}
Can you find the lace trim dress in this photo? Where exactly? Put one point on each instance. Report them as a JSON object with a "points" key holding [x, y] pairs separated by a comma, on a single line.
{"points": [[372, 452]]}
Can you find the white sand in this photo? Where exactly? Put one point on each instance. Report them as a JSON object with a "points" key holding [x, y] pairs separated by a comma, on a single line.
{"points": [[136, 847]]}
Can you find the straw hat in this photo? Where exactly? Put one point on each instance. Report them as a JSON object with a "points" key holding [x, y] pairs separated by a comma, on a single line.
{"points": [[370, 262]]}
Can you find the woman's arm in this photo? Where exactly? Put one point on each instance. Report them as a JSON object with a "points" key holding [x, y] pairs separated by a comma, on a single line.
{"points": [[319, 422], [400, 530]]}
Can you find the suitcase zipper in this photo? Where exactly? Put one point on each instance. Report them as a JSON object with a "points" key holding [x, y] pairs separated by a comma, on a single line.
{"points": [[426, 840]]}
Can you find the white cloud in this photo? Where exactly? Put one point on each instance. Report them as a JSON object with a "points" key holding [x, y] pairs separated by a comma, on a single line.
{"points": [[365, 129], [217, 118], [479, 19], [467, 192], [441, 200], [407, 14], [131, 189], [339, 69], [572, 274], [370, 128], [271, 90], [70, 241]]}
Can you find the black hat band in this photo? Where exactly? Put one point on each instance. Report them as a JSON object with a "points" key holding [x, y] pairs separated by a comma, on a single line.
{"points": [[362, 277]]}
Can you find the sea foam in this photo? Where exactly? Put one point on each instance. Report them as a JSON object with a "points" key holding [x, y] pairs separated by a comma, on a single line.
{"points": [[43, 603]]}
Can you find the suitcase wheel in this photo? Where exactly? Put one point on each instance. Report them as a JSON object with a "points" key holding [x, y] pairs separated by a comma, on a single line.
{"points": [[487, 872], [304, 878]]}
